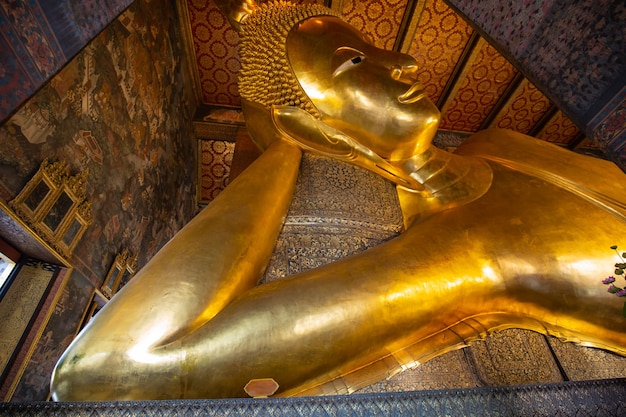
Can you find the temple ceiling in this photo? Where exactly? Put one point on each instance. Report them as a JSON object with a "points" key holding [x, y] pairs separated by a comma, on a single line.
{"points": [[474, 86]]}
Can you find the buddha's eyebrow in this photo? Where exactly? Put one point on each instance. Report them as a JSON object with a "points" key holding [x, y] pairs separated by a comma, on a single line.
{"points": [[344, 57]]}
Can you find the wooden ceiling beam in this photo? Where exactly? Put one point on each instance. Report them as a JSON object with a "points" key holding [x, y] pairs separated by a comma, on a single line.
{"points": [[468, 56], [336, 5], [406, 31], [503, 100], [543, 121], [576, 141]]}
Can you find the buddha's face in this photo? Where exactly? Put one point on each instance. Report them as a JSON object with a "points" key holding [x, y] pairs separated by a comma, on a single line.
{"points": [[367, 93]]}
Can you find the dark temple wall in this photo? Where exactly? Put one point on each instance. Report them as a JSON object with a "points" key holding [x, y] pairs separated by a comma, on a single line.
{"points": [[122, 110], [574, 51]]}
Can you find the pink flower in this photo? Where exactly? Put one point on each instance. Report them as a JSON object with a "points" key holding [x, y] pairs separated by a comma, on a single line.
{"points": [[608, 280], [621, 293]]}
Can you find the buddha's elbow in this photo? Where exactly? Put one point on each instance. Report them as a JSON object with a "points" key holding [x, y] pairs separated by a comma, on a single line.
{"points": [[87, 372], [76, 376], [61, 381]]}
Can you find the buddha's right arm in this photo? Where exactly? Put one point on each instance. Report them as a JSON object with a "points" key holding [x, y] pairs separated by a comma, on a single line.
{"points": [[217, 256]]}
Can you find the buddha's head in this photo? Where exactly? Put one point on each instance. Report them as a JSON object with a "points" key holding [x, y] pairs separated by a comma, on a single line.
{"points": [[307, 58]]}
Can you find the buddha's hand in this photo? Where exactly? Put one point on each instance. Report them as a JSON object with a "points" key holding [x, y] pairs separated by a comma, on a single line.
{"points": [[311, 134]]}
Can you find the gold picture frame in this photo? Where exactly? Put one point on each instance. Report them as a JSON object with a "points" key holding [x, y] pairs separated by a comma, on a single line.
{"points": [[122, 270], [96, 302], [53, 203]]}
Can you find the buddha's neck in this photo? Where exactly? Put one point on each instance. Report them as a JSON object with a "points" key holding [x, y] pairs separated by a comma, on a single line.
{"points": [[451, 180]]}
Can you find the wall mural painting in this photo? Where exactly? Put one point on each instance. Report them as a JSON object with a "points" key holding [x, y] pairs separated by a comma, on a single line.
{"points": [[575, 80], [118, 110], [609, 125], [56, 30]]}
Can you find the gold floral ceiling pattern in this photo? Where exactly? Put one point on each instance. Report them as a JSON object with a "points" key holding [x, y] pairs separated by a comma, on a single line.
{"points": [[473, 84]]}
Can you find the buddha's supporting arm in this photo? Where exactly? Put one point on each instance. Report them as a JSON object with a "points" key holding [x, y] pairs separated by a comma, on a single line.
{"points": [[211, 261]]}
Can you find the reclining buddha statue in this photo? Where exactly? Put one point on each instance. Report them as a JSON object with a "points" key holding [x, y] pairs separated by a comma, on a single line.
{"points": [[506, 232]]}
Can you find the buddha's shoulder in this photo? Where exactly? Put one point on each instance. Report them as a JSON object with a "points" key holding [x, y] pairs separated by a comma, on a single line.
{"points": [[582, 174]]}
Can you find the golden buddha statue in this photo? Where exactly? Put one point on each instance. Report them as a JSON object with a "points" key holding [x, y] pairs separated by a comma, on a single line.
{"points": [[507, 232]]}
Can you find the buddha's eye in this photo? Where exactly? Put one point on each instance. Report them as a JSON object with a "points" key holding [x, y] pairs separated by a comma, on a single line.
{"points": [[345, 59]]}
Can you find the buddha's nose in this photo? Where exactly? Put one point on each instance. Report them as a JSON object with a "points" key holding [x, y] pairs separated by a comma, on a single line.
{"points": [[406, 73], [404, 69]]}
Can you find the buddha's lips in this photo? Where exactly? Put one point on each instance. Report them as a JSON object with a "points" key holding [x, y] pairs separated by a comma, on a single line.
{"points": [[413, 94]]}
